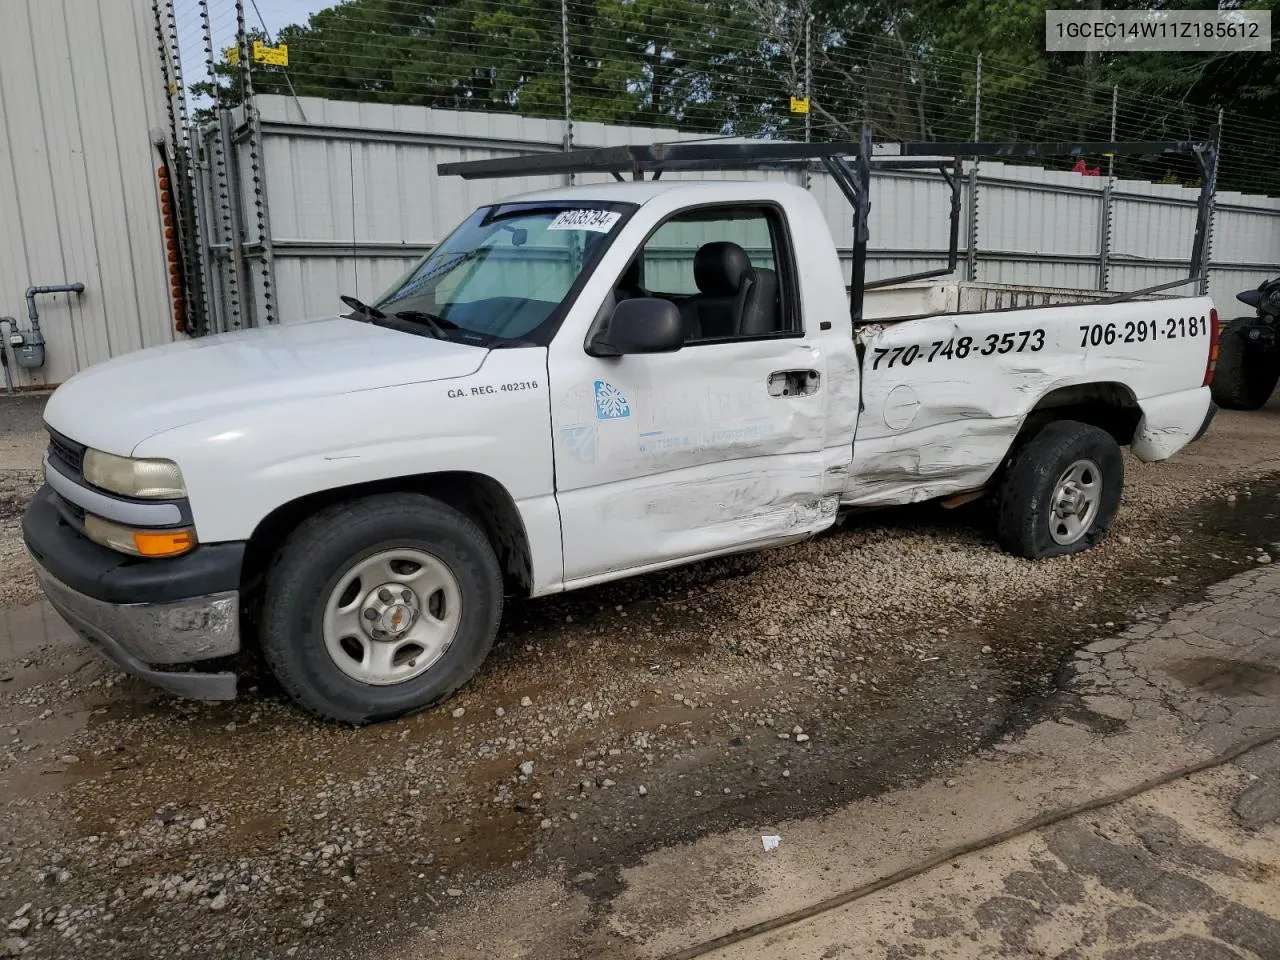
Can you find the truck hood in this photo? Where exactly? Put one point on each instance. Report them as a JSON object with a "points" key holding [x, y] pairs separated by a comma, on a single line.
{"points": [[114, 406]]}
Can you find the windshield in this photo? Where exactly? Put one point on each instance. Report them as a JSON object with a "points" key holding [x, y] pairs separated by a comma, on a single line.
{"points": [[505, 270]]}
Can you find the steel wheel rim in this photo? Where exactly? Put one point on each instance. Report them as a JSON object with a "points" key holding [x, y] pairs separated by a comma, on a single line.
{"points": [[391, 616], [1076, 498]]}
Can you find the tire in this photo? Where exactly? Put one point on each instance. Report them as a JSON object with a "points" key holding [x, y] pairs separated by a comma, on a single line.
{"points": [[365, 544], [1034, 479], [1244, 378]]}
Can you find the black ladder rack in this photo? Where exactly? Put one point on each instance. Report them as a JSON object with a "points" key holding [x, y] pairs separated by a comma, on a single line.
{"points": [[850, 164]]}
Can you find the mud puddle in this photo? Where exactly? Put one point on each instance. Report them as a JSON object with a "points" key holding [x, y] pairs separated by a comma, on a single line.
{"points": [[1201, 547]]}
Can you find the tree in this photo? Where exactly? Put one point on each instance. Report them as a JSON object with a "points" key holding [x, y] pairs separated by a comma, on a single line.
{"points": [[730, 67]]}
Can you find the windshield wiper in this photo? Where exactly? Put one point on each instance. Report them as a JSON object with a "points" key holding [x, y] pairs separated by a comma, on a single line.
{"points": [[368, 312], [447, 263], [436, 324]]}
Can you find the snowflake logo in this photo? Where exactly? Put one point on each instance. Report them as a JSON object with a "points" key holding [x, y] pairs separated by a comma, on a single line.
{"points": [[610, 402]]}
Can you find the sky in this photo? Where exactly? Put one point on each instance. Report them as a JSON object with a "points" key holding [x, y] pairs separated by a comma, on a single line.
{"points": [[280, 13], [273, 14]]}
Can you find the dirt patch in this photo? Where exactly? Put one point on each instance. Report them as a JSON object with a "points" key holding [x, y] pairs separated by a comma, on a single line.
{"points": [[22, 444], [1089, 887], [17, 580], [1228, 677], [732, 692]]}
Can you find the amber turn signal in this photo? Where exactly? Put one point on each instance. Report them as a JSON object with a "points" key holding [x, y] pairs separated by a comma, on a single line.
{"points": [[163, 543], [139, 543]]}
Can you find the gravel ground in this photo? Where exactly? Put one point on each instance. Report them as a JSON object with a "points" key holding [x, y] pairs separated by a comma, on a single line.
{"points": [[22, 444], [607, 723]]}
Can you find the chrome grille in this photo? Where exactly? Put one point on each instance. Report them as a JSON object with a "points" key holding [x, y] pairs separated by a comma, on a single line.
{"points": [[67, 452]]}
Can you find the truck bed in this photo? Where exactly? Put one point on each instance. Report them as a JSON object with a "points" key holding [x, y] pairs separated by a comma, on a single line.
{"points": [[952, 370], [931, 298]]}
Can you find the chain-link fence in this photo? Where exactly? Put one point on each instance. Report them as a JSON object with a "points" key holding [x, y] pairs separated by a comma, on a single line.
{"points": [[771, 68], [622, 70]]}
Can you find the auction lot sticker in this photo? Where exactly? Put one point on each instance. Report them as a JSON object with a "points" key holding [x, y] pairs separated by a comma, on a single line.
{"points": [[597, 221]]}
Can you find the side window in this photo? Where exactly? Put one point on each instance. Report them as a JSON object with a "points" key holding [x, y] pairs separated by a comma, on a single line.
{"points": [[726, 269]]}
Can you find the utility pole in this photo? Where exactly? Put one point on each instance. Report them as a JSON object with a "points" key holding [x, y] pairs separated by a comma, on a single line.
{"points": [[971, 237], [568, 91], [808, 86], [1115, 102]]}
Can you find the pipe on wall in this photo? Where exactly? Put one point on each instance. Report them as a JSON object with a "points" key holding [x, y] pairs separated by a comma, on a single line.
{"points": [[33, 292], [30, 353]]}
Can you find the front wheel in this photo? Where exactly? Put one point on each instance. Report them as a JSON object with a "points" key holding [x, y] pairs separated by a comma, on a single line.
{"points": [[1246, 374], [1061, 492], [380, 607]]}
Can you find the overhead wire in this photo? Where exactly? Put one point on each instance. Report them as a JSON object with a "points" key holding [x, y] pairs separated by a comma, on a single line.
{"points": [[726, 78]]}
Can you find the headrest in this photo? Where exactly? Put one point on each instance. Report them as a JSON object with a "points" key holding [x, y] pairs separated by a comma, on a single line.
{"points": [[719, 268]]}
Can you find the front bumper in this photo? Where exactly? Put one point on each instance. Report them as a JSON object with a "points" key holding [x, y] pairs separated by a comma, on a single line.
{"points": [[141, 614], [135, 635]]}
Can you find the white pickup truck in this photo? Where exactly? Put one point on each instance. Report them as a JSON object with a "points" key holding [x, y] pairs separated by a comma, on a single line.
{"points": [[574, 386]]}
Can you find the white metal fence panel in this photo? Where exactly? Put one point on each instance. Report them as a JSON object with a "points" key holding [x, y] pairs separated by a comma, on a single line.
{"points": [[80, 99], [1042, 211], [1246, 236], [354, 199]]}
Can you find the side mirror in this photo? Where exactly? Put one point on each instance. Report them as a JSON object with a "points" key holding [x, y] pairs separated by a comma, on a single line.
{"points": [[645, 325]]}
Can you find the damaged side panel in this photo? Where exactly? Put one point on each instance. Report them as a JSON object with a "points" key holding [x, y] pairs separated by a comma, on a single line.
{"points": [[691, 513], [671, 456], [723, 444], [841, 414], [945, 396], [932, 462], [1168, 424]]}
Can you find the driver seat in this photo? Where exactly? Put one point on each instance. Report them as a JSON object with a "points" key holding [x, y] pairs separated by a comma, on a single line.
{"points": [[734, 299]]}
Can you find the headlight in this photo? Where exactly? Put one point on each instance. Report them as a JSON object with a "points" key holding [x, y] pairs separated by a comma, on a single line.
{"points": [[145, 479], [139, 543]]}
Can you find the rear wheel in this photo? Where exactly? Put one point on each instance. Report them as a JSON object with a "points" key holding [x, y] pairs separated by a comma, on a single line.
{"points": [[1061, 492], [380, 607], [1246, 374]]}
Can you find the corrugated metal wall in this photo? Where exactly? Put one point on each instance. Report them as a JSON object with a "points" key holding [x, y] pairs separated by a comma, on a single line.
{"points": [[354, 197], [353, 192], [80, 95]]}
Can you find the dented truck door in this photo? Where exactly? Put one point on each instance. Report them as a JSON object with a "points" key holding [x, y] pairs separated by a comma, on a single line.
{"points": [[716, 446]]}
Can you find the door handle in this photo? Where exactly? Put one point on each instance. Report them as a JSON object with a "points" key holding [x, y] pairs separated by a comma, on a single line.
{"points": [[794, 383]]}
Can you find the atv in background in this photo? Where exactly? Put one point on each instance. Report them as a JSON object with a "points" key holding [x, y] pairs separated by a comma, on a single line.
{"points": [[1249, 355]]}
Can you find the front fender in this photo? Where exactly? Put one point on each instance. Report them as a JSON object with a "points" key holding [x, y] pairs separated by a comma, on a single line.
{"points": [[239, 469]]}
